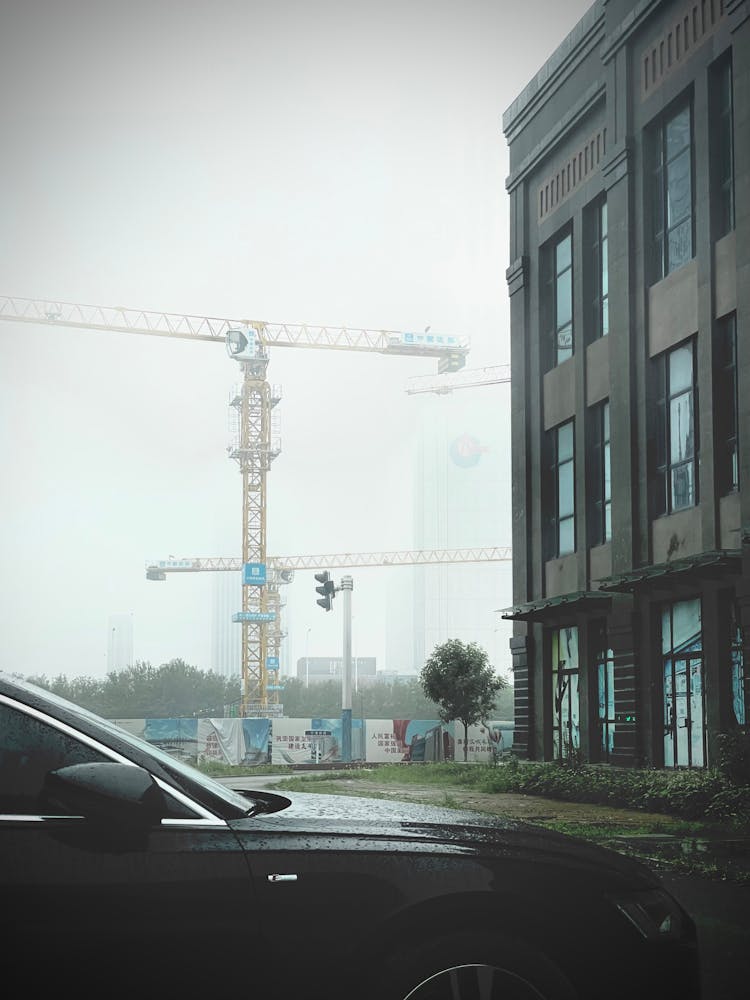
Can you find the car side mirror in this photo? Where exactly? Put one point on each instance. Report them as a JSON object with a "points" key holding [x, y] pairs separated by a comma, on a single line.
{"points": [[118, 796]]}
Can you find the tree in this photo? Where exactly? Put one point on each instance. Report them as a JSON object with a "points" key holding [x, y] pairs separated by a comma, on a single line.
{"points": [[172, 691], [460, 680]]}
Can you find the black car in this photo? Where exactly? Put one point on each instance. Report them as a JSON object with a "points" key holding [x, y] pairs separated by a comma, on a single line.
{"points": [[126, 872]]}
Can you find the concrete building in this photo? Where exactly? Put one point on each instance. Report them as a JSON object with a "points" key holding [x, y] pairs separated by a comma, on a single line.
{"points": [[226, 635], [629, 286]]}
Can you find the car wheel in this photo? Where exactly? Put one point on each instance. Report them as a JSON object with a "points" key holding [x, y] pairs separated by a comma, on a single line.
{"points": [[471, 966]]}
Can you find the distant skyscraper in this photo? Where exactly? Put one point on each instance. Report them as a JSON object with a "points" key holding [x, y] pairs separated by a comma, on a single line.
{"points": [[461, 500], [120, 642], [226, 635]]}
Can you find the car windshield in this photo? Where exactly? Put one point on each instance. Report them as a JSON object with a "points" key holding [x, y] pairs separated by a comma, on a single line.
{"points": [[172, 764]]}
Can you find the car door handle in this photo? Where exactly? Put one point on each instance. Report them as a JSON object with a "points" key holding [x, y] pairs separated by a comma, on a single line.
{"points": [[281, 878]]}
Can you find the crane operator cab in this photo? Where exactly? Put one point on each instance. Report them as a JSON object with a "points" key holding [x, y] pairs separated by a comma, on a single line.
{"points": [[242, 345]]}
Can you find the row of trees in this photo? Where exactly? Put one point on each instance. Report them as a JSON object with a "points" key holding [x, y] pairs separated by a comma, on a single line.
{"points": [[456, 683]]}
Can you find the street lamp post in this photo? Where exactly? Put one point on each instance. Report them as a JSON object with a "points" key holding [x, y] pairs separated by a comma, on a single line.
{"points": [[347, 585], [307, 656]]}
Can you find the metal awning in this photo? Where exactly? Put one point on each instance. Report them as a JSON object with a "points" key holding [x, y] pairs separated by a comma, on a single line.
{"points": [[551, 609], [707, 565]]}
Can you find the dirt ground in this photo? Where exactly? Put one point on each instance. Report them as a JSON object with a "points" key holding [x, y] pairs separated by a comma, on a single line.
{"points": [[531, 808]]}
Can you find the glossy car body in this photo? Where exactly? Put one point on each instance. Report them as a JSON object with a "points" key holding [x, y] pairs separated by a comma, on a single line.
{"points": [[125, 872]]}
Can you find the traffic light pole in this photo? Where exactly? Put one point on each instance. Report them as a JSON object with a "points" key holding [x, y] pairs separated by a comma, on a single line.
{"points": [[347, 585]]}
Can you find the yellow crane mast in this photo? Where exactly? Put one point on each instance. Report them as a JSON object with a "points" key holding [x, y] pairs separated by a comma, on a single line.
{"points": [[248, 342]]}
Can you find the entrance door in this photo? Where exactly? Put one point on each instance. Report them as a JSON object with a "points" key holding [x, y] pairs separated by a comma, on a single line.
{"points": [[684, 730]]}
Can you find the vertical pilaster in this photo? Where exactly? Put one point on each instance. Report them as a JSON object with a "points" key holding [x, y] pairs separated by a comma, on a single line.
{"points": [[622, 635], [522, 684]]}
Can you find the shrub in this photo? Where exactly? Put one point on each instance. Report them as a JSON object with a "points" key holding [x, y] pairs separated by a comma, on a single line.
{"points": [[734, 756]]}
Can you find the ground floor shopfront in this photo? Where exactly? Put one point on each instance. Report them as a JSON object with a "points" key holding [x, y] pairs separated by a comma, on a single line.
{"points": [[648, 670]]}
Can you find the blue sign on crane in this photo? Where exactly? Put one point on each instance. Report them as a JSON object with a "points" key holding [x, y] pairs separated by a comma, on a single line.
{"points": [[254, 574]]}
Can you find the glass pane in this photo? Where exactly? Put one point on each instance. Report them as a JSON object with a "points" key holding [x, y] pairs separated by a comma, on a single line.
{"points": [[564, 300], [563, 254], [686, 622], [607, 522], [566, 494], [696, 713], [566, 543], [564, 346], [679, 196], [605, 272], [682, 486], [607, 475], [678, 133], [681, 428], [569, 647], [605, 317], [680, 245], [738, 687], [657, 201], [575, 727], [565, 442], [605, 421], [680, 369]]}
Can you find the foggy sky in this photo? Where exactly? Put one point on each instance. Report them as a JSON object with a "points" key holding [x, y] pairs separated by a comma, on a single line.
{"points": [[315, 162]]}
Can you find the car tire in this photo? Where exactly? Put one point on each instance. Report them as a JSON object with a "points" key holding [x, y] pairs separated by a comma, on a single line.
{"points": [[470, 966]]}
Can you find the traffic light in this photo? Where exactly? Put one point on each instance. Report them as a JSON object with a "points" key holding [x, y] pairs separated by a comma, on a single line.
{"points": [[326, 589]]}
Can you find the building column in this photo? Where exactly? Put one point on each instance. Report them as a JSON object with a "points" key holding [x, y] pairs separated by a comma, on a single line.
{"points": [[522, 684], [717, 693]]}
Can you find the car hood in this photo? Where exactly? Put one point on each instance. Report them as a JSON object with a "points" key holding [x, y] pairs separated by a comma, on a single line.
{"points": [[331, 820]]}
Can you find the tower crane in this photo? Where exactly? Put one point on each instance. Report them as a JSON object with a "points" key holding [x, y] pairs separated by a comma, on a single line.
{"points": [[281, 570], [248, 343], [467, 378]]}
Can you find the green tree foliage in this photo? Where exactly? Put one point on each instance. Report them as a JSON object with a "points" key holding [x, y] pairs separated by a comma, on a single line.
{"points": [[174, 690], [459, 679], [322, 700]]}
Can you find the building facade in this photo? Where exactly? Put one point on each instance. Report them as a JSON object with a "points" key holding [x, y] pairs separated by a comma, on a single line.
{"points": [[629, 287]]}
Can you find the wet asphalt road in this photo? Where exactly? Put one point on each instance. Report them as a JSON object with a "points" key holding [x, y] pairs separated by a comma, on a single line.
{"points": [[721, 911]]}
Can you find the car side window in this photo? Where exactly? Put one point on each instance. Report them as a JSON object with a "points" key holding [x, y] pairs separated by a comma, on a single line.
{"points": [[29, 748]]}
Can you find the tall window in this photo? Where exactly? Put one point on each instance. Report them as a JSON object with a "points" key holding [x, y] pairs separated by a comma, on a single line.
{"points": [[597, 293], [722, 148], [671, 187], [562, 479], [674, 430], [726, 411], [738, 667], [599, 486], [565, 709], [682, 665], [559, 298], [604, 659]]}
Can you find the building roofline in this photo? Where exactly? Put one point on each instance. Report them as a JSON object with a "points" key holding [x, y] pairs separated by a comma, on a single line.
{"points": [[568, 54]]}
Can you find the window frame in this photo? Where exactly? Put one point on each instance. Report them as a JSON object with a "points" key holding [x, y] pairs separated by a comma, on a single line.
{"points": [[556, 473], [721, 125], [599, 483], [663, 465], [727, 423], [553, 275], [657, 188], [597, 281]]}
